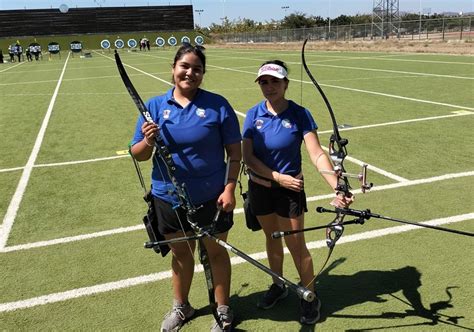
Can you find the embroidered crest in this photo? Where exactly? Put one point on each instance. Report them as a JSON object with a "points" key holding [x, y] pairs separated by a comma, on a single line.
{"points": [[258, 124], [166, 114], [201, 112], [286, 123]]}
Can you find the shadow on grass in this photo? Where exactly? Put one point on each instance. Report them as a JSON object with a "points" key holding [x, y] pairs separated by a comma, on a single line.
{"points": [[341, 291], [286, 310]]}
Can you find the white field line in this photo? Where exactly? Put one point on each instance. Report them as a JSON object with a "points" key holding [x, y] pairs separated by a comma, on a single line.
{"points": [[396, 96], [70, 239], [319, 63], [240, 113], [4, 170], [362, 91], [65, 163], [393, 71], [455, 114], [65, 80], [236, 211], [373, 78], [383, 57], [154, 277], [390, 58], [373, 168], [71, 94], [139, 70], [12, 210], [406, 183], [386, 58], [8, 68]]}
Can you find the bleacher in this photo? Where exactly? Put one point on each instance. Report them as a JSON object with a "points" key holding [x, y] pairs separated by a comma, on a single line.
{"points": [[40, 22]]}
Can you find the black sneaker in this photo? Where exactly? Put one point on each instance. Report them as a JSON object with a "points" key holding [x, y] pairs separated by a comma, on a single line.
{"points": [[310, 311], [272, 296]]}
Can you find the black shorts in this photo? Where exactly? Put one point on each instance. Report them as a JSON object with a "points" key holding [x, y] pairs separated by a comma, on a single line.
{"points": [[168, 221], [284, 202]]}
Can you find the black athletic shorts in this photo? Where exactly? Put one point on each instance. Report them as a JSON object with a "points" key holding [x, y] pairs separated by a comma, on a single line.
{"points": [[284, 202], [168, 221]]}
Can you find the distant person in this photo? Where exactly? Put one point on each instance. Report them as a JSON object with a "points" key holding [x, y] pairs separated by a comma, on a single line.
{"points": [[1, 56], [148, 44], [29, 57], [143, 44], [11, 53], [18, 51], [35, 50]]}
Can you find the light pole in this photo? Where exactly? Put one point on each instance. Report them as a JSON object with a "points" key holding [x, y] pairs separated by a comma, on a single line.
{"points": [[199, 11], [329, 19], [223, 8], [419, 26], [286, 8]]}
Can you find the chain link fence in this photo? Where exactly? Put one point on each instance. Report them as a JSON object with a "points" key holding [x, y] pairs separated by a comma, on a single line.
{"points": [[448, 28]]}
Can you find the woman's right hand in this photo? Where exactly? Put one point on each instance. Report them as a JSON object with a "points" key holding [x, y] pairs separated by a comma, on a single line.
{"points": [[149, 131], [290, 182]]}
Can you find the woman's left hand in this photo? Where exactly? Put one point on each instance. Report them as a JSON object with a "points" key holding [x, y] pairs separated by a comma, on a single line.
{"points": [[226, 201]]}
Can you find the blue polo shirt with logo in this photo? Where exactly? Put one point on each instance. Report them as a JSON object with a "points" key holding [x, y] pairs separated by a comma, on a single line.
{"points": [[195, 136], [277, 138]]}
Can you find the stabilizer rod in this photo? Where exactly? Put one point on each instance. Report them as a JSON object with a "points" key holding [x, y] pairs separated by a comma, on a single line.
{"points": [[366, 214], [301, 291]]}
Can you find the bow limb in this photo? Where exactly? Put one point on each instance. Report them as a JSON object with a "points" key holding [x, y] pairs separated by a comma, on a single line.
{"points": [[323, 95], [337, 144]]}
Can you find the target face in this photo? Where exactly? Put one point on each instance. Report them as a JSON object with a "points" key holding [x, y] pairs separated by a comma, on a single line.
{"points": [[160, 42], [172, 41], [132, 43], [199, 40], [119, 43], [105, 44]]}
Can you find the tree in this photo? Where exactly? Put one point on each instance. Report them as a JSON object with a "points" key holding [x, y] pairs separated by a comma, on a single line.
{"points": [[300, 20], [342, 20], [361, 19]]}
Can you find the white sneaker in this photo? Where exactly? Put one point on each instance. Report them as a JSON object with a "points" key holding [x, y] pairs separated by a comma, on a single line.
{"points": [[176, 317]]}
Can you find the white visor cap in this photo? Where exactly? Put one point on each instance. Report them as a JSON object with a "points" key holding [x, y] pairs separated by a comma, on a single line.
{"points": [[272, 70]]}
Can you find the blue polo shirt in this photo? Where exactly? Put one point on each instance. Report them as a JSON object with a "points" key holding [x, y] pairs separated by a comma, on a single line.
{"points": [[195, 136], [277, 138]]}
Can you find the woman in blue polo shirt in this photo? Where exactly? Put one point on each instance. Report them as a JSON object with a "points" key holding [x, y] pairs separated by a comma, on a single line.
{"points": [[274, 130], [200, 130]]}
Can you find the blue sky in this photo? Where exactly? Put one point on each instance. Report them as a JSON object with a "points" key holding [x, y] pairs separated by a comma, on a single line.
{"points": [[211, 11]]}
